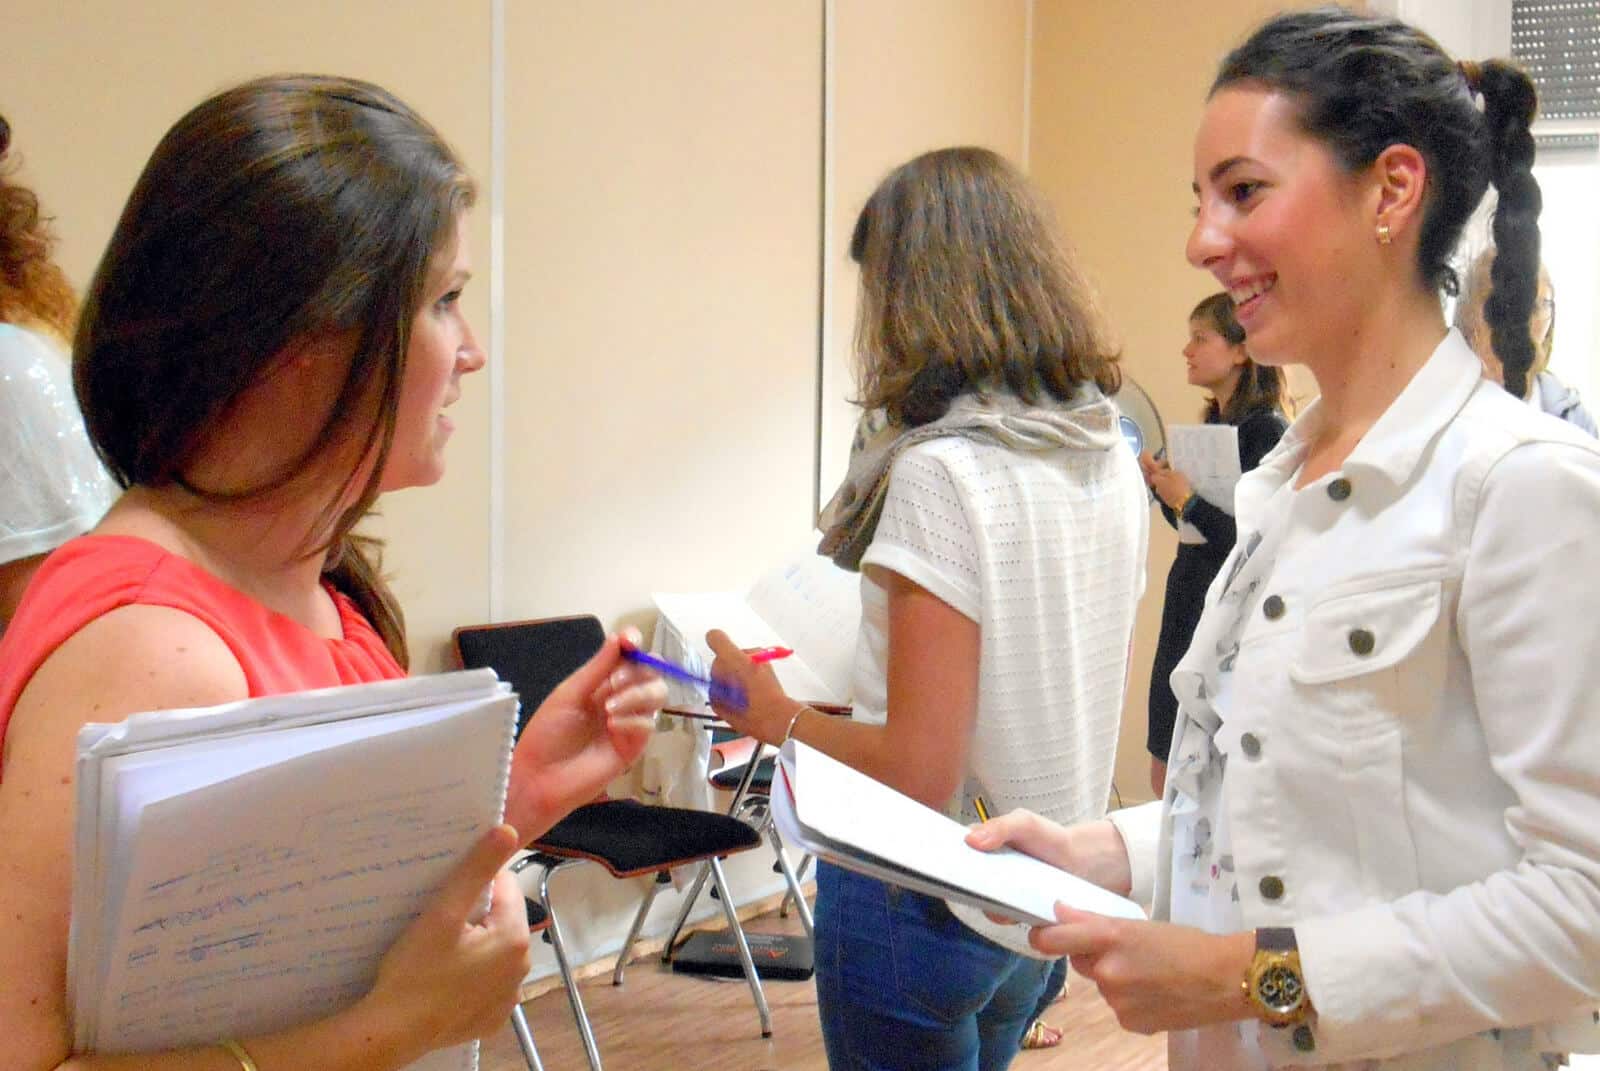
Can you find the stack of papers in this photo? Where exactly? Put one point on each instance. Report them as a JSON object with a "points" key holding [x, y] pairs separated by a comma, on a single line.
{"points": [[243, 868], [1208, 456]]}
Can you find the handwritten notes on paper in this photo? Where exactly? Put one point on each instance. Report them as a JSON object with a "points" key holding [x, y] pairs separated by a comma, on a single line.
{"points": [[1208, 456], [253, 880]]}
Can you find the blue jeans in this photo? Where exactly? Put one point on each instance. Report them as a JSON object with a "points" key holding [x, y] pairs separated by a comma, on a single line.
{"points": [[1052, 988], [903, 985]]}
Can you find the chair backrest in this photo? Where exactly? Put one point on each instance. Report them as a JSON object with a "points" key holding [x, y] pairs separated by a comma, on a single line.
{"points": [[531, 656]]}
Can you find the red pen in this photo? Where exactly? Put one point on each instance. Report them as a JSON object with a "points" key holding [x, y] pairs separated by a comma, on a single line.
{"points": [[769, 654]]}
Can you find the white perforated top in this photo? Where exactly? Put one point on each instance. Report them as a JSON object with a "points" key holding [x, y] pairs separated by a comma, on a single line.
{"points": [[1046, 552]]}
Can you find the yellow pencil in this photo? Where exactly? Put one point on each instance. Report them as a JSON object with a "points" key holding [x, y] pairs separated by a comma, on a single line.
{"points": [[983, 812]]}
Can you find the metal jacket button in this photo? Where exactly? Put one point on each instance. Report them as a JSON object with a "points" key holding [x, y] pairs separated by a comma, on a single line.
{"points": [[1339, 489], [1362, 641], [1250, 744], [1272, 606], [1271, 887]]}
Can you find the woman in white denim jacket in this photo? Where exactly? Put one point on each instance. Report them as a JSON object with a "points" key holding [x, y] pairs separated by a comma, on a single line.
{"points": [[1381, 830]]}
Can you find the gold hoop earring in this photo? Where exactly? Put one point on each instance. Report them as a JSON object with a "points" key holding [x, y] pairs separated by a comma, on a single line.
{"points": [[1384, 237]]}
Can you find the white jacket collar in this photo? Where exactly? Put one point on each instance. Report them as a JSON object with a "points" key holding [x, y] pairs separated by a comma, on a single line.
{"points": [[1393, 447]]}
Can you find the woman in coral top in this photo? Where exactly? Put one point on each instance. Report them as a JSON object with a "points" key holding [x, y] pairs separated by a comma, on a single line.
{"points": [[271, 340]]}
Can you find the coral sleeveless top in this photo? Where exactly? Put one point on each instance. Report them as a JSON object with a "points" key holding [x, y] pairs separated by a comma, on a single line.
{"points": [[94, 575]]}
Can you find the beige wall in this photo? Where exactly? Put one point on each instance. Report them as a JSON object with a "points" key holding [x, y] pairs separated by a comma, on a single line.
{"points": [[662, 199], [1118, 91], [909, 76], [661, 335]]}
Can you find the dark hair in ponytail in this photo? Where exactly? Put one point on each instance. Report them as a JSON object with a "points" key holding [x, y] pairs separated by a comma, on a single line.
{"points": [[1260, 386], [1509, 104], [1365, 83]]}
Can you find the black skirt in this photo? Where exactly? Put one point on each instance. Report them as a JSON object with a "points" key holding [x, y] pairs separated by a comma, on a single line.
{"points": [[1192, 572]]}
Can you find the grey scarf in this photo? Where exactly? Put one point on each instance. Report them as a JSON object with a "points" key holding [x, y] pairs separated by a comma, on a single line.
{"points": [[1087, 422]]}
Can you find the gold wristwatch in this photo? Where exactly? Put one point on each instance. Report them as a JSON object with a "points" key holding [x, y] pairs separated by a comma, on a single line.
{"points": [[1274, 983]]}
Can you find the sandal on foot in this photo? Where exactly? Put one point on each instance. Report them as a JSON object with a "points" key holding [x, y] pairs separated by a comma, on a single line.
{"points": [[1041, 1035]]}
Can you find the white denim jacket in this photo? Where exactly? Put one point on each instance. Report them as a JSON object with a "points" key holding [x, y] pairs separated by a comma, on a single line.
{"points": [[1412, 743]]}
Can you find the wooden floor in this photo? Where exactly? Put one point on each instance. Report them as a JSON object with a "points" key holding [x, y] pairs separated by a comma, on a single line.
{"points": [[659, 1020]]}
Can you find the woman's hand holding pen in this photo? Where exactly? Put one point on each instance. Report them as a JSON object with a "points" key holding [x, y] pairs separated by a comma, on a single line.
{"points": [[768, 710], [590, 729], [1170, 485], [1155, 976]]}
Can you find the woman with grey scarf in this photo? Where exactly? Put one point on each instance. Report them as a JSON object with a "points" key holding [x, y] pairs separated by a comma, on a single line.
{"points": [[999, 524]]}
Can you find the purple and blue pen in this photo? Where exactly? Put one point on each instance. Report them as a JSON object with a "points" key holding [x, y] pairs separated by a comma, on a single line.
{"points": [[729, 695]]}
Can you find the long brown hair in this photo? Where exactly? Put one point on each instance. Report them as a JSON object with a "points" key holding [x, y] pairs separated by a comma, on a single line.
{"points": [[287, 209], [967, 286], [1259, 386], [33, 290]]}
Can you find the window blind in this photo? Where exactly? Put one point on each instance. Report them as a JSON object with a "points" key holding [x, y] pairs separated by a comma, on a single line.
{"points": [[1558, 43], [1566, 142]]}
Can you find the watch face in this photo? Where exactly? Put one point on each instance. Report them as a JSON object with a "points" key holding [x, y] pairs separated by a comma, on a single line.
{"points": [[1280, 988]]}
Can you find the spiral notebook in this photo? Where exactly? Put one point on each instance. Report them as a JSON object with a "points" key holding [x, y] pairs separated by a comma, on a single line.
{"points": [[242, 868]]}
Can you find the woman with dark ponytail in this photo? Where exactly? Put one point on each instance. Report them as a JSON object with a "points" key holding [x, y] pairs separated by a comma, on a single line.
{"points": [[271, 340], [1379, 844], [1251, 397]]}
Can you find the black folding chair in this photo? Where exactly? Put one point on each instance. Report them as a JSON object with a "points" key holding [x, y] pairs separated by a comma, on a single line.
{"points": [[625, 837]]}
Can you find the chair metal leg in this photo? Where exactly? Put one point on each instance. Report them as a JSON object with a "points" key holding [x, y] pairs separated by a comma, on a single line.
{"points": [[740, 794], [633, 931], [791, 879], [519, 1026], [590, 1049], [800, 875], [683, 912], [744, 947]]}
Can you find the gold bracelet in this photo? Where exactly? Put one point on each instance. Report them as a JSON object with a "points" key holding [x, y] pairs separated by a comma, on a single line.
{"points": [[239, 1054], [788, 734]]}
